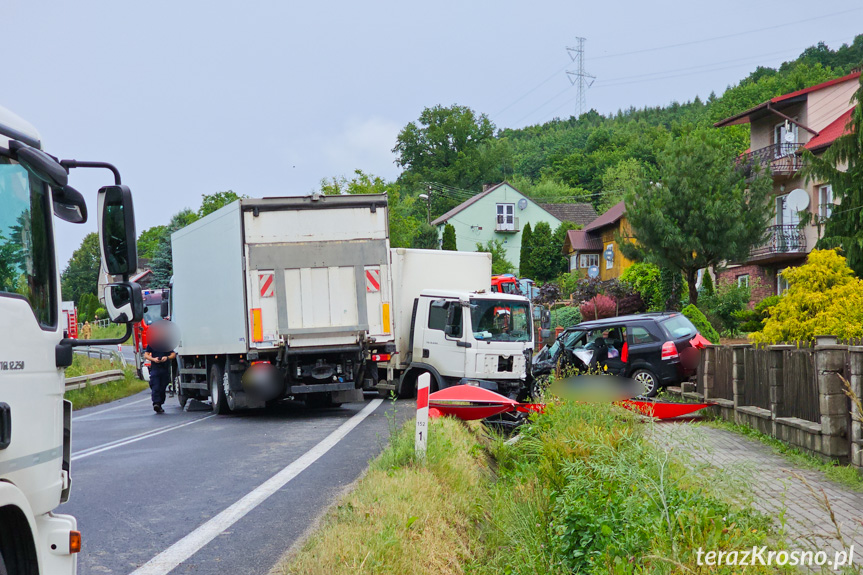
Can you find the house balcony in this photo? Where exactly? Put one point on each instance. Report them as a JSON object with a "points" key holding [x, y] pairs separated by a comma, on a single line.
{"points": [[780, 159], [786, 242], [507, 225]]}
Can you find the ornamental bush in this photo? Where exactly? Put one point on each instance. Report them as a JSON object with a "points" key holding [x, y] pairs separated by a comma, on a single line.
{"points": [[565, 316], [699, 320], [598, 307], [644, 278], [823, 298]]}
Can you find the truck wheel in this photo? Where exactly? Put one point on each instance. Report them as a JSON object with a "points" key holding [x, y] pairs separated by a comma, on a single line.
{"points": [[217, 392]]}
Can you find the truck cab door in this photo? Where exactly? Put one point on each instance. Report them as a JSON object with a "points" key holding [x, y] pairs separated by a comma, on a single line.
{"points": [[443, 345]]}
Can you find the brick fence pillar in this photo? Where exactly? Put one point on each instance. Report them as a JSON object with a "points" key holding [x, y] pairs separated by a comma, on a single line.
{"points": [[737, 372], [708, 370], [829, 366], [856, 380], [776, 363]]}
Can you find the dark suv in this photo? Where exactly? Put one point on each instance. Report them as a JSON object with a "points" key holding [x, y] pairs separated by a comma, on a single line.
{"points": [[654, 349]]}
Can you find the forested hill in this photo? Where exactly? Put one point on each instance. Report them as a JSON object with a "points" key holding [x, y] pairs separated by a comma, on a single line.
{"points": [[592, 157]]}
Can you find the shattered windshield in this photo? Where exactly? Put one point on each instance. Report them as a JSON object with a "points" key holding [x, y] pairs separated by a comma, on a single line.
{"points": [[500, 320]]}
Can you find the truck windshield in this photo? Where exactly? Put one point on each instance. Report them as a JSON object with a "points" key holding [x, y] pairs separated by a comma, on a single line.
{"points": [[500, 320], [26, 249], [509, 287]]}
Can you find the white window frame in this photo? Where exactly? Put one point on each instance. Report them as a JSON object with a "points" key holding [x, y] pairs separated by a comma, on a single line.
{"points": [[505, 216], [609, 263], [825, 201], [587, 260], [743, 280]]}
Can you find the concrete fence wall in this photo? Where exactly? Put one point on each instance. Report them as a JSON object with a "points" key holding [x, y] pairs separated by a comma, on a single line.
{"points": [[832, 429]]}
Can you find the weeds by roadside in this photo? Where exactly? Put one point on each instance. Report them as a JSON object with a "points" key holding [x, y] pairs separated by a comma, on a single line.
{"points": [[105, 392]]}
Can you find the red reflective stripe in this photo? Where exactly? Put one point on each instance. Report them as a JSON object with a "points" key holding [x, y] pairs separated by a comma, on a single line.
{"points": [[373, 278], [422, 397], [268, 282]]}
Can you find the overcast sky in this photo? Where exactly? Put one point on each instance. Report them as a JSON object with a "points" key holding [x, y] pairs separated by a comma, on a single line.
{"points": [[268, 97]]}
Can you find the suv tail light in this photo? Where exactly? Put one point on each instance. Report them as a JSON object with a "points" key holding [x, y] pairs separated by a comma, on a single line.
{"points": [[669, 350]]}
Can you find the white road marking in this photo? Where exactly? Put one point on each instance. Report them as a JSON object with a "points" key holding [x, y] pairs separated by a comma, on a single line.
{"points": [[167, 560], [132, 439], [100, 412]]}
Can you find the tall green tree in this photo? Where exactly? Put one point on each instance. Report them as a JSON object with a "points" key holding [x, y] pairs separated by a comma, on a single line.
{"points": [[524, 269], [701, 212], [426, 238], [81, 275], [449, 241], [844, 228], [162, 262], [558, 239], [148, 241], [544, 257], [212, 202], [499, 262]]}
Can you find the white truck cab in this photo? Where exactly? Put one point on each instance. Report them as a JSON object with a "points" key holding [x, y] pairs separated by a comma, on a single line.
{"points": [[35, 420], [475, 338]]}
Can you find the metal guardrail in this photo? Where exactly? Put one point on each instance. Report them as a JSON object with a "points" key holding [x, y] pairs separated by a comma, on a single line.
{"points": [[83, 381], [102, 353]]}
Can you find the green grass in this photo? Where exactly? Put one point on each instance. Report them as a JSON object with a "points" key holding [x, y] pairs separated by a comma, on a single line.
{"points": [[103, 393], [113, 331], [583, 490], [846, 475]]}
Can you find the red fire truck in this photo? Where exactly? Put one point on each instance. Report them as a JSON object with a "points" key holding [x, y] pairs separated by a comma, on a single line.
{"points": [[152, 312]]}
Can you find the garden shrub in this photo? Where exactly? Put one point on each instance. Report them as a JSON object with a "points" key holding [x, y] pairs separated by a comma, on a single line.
{"points": [[823, 298], [565, 316], [599, 307], [723, 307], [700, 322], [644, 279], [753, 319]]}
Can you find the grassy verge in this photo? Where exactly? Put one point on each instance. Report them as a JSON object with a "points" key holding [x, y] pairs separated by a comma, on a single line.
{"points": [[583, 490], [847, 475], [106, 392], [113, 331]]}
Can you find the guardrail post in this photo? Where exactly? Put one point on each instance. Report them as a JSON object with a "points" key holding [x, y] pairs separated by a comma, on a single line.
{"points": [[856, 380], [833, 403]]}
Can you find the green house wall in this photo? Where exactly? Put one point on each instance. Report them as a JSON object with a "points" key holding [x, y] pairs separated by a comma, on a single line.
{"points": [[477, 222]]}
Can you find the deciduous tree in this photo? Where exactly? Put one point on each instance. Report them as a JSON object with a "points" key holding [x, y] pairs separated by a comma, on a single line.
{"points": [[702, 211], [81, 275], [499, 263]]}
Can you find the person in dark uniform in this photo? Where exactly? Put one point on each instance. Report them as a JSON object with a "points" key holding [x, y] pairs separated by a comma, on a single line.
{"points": [[160, 356]]}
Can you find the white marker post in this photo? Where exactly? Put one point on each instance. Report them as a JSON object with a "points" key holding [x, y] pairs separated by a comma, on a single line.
{"points": [[422, 414]]}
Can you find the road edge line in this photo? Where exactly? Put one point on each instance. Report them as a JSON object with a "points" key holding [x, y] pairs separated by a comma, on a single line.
{"points": [[133, 439], [173, 556]]}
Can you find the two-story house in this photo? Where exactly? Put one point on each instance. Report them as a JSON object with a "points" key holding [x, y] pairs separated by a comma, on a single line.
{"points": [[780, 128], [593, 251], [499, 212]]}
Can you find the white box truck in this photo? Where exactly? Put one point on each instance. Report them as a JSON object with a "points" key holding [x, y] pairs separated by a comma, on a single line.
{"points": [[448, 323], [282, 297], [35, 420]]}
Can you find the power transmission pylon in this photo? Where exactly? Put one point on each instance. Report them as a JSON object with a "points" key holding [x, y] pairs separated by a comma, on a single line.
{"points": [[579, 78]]}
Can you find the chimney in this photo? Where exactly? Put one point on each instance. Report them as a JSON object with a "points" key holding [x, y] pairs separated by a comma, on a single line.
{"points": [[486, 187]]}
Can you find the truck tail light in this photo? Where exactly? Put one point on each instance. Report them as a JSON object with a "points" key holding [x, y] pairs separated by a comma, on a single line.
{"points": [[257, 326], [381, 356], [624, 355], [74, 542], [669, 350]]}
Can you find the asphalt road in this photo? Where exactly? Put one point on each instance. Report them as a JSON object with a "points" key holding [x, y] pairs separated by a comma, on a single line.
{"points": [[211, 494]]}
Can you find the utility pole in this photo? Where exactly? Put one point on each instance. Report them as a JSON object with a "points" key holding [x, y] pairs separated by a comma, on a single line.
{"points": [[579, 78], [427, 198]]}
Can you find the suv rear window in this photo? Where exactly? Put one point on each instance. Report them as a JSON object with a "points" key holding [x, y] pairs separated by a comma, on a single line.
{"points": [[678, 326]]}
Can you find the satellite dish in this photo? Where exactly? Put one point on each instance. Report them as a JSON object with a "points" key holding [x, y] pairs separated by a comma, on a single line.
{"points": [[593, 271], [522, 203], [789, 137], [797, 200]]}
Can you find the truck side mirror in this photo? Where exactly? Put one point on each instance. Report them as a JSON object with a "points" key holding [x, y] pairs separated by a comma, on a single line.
{"points": [[117, 230], [545, 322], [164, 312], [545, 333], [124, 302]]}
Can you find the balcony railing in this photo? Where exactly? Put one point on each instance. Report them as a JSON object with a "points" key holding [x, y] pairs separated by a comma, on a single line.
{"points": [[788, 239], [506, 224], [780, 159]]}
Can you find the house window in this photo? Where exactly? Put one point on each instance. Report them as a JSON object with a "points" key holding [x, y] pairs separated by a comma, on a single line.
{"points": [[781, 282], [825, 201], [573, 262], [506, 216], [609, 256], [588, 260], [743, 280], [785, 145]]}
